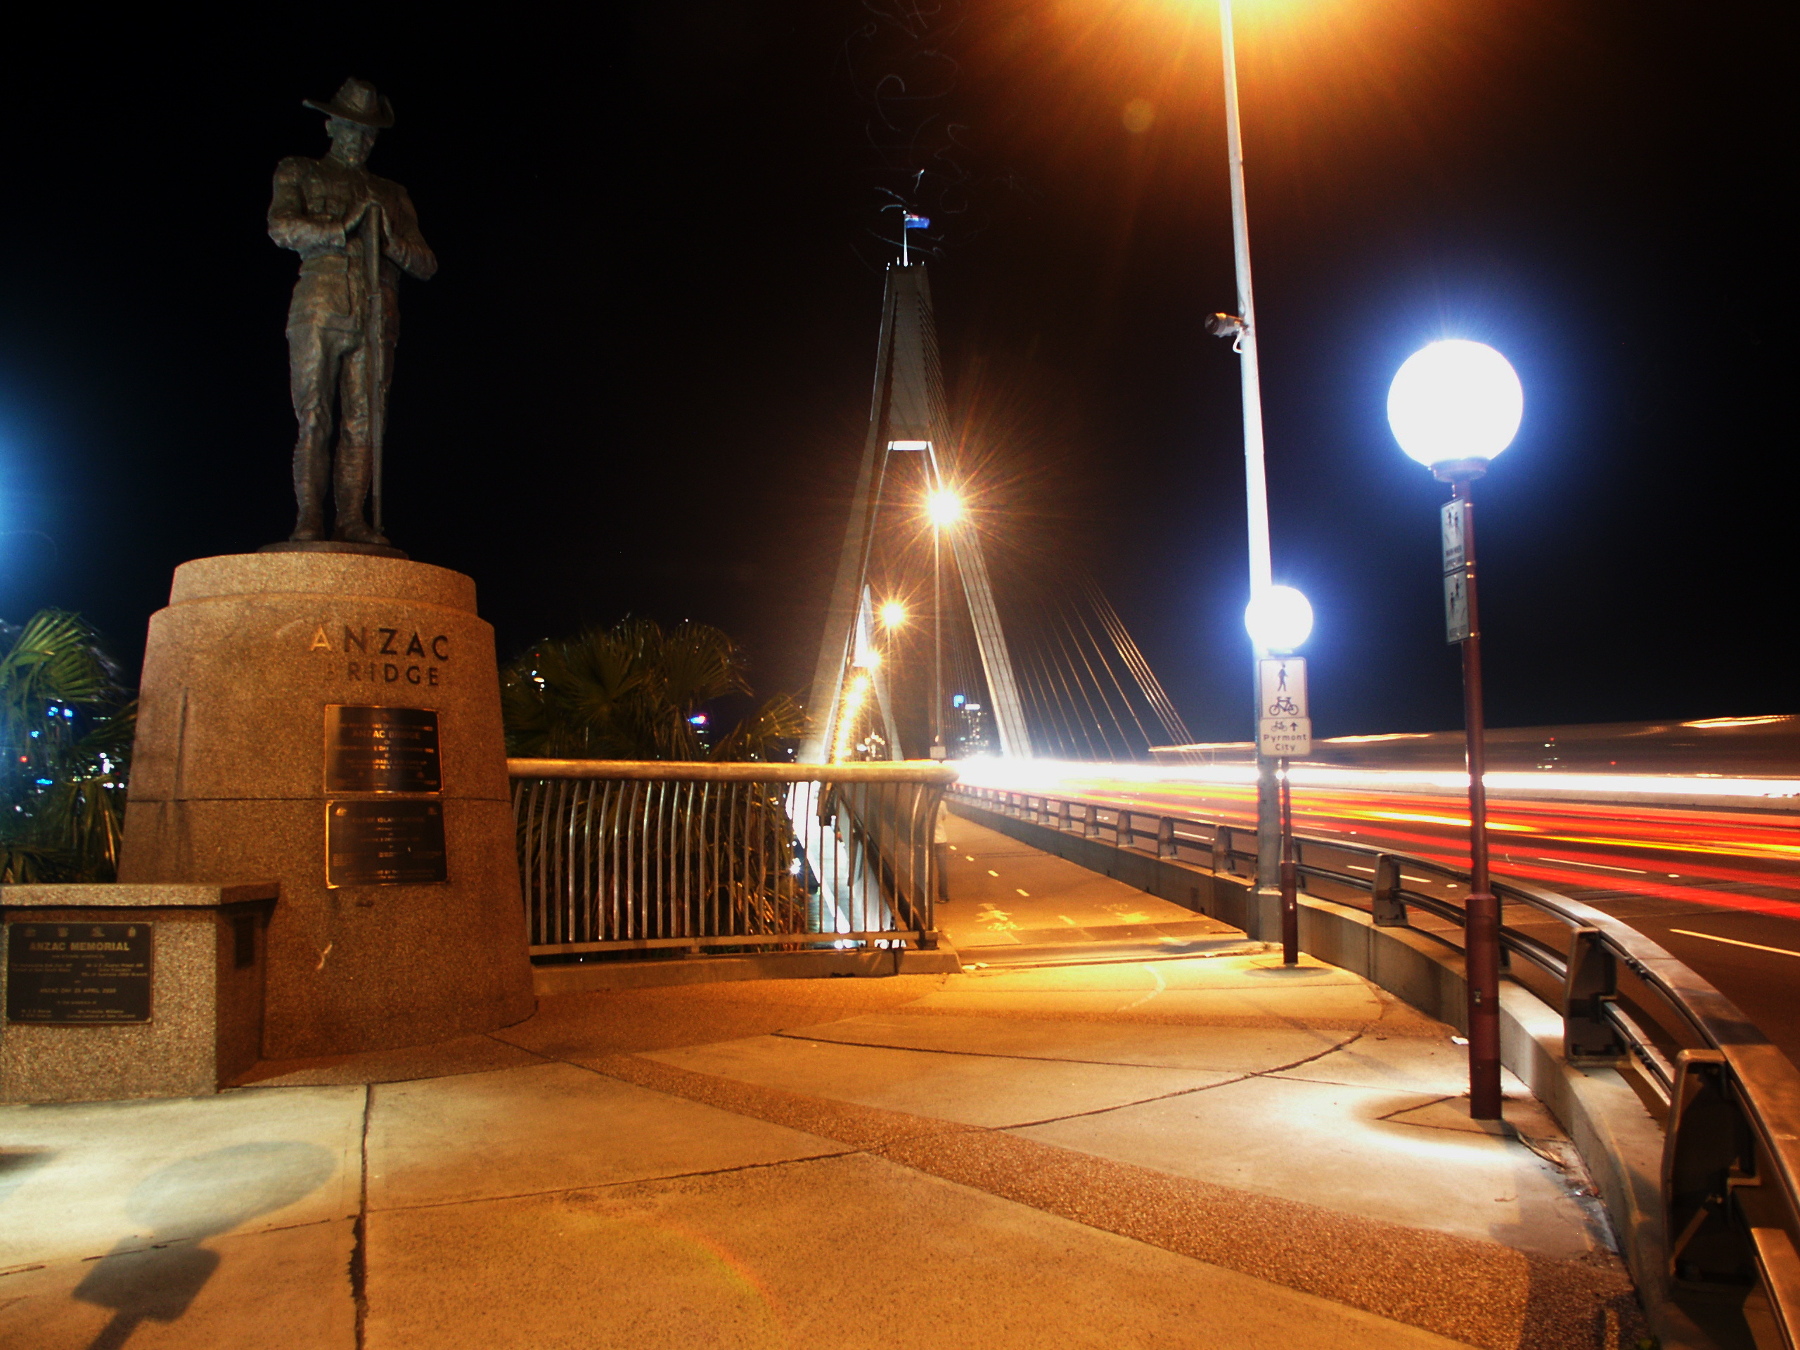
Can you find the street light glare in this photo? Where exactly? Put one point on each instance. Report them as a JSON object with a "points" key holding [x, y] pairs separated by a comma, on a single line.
{"points": [[1455, 400], [944, 507], [893, 614], [1278, 619]]}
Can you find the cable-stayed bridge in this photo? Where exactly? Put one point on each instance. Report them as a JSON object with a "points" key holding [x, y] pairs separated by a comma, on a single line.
{"points": [[916, 660]]}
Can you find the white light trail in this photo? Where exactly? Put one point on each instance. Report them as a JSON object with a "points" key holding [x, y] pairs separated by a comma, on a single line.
{"points": [[1042, 775]]}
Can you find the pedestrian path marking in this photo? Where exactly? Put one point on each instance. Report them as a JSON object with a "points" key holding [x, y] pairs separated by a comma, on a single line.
{"points": [[1161, 985], [1754, 946], [992, 872], [1022, 891]]}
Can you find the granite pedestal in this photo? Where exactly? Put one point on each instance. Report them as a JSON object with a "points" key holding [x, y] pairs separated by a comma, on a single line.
{"points": [[230, 779], [207, 948]]}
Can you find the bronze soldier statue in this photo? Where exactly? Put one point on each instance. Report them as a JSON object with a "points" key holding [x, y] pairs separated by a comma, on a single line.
{"points": [[355, 234]]}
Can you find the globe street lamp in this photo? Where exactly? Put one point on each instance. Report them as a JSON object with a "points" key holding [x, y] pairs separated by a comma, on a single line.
{"points": [[1279, 619], [944, 508], [1454, 406]]}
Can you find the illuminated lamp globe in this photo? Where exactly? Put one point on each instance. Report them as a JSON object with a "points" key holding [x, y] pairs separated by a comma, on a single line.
{"points": [[1278, 619], [1455, 405]]}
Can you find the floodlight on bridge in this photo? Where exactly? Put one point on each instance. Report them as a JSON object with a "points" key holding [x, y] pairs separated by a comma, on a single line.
{"points": [[944, 507], [1278, 619], [1455, 404], [909, 445]]}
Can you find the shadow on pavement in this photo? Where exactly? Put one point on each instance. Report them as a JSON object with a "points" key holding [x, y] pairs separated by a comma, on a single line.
{"points": [[156, 1277], [17, 1164]]}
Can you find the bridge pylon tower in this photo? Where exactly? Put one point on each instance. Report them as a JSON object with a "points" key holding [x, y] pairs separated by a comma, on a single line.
{"points": [[908, 416]]}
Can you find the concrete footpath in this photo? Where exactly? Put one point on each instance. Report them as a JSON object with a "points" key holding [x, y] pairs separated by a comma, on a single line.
{"points": [[1123, 1126]]}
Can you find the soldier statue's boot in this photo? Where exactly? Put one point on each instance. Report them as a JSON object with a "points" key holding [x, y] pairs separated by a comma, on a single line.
{"points": [[351, 490], [309, 492]]}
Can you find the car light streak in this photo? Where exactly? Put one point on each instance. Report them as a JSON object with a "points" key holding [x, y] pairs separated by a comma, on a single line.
{"points": [[1744, 851]]}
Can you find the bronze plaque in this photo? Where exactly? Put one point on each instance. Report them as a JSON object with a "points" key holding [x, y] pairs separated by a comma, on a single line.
{"points": [[78, 974], [391, 843], [371, 749]]}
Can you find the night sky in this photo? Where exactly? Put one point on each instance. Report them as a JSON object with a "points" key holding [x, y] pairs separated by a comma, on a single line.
{"points": [[638, 383]]}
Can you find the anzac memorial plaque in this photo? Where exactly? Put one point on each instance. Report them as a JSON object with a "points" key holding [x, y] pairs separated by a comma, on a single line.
{"points": [[78, 974], [391, 843], [381, 749]]}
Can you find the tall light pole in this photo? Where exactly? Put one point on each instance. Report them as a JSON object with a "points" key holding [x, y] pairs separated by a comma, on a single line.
{"points": [[945, 509], [1242, 325], [1453, 406]]}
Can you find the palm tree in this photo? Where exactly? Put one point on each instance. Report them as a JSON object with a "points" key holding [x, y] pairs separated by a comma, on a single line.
{"points": [[66, 725], [629, 692]]}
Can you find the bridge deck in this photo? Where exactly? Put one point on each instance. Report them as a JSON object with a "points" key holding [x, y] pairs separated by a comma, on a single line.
{"points": [[1197, 1150]]}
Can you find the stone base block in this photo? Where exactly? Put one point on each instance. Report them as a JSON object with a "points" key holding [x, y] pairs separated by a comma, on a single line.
{"points": [[208, 952]]}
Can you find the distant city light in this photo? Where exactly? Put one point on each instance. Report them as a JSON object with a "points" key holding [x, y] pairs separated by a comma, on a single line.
{"points": [[944, 507], [1455, 400], [1278, 619], [698, 720], [893, 614], [957, 700]]}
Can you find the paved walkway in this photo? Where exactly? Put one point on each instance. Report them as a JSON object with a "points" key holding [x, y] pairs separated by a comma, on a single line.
{"points": [[1205, 1150]]}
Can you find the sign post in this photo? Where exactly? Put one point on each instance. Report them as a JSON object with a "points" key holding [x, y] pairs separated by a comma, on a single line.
{"points": [[1459, 571], [1284, 732]]}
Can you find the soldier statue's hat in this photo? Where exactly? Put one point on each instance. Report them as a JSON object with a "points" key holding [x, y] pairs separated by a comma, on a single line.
{"points": [[357, 102]]}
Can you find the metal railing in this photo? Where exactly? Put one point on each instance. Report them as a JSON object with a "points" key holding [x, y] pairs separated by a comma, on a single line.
{"points": [[1728, 1098], [620, 856]]}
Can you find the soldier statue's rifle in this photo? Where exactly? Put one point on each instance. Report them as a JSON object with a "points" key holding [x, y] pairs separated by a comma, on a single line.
{"points": [[373, 335]]}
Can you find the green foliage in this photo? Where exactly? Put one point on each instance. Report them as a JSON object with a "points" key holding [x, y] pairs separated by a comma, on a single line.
{"points": [[627, 692], [66, 725]]}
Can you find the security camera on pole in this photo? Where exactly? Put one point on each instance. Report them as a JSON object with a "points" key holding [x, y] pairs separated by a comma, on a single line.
{"points": [[1454, 406], [1279, 620]]}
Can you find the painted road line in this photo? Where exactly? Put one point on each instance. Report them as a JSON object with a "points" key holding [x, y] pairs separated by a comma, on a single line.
{"points": [[992, 872], [1604, 867], [1022, 891], [1754, 946]]}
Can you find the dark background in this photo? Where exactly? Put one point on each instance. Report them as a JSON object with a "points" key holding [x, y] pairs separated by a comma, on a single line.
{"points": [[639, 380]]}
